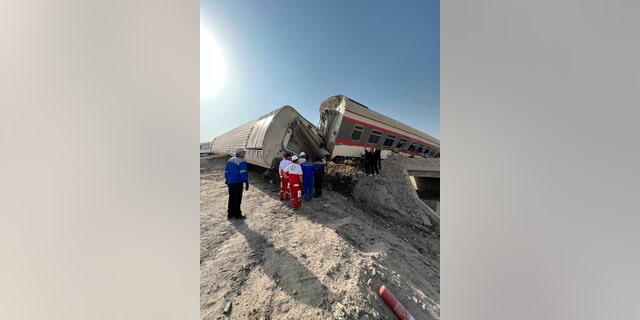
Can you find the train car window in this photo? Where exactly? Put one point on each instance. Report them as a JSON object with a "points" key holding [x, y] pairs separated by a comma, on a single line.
{"points": [[389, 140], [401, 143], [420, 149], [412, 147], [357, 132], [438, 155], [375, 136]]}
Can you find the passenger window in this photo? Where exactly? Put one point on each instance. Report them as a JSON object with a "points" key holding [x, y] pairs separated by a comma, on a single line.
{"points": [[401, 143], [375, 136], [389, 140], [420, 149], [357, 132], [412, 147]]}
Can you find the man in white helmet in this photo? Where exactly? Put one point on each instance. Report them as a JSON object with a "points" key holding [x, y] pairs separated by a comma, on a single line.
{"points": [[294, 172], [302, 159]]}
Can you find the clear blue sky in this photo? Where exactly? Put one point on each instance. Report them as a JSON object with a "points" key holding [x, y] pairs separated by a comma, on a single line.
{"points": [[383, 54]]}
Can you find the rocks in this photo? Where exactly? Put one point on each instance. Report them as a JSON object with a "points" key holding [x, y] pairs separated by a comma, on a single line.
{"points": [[340, 312], [332, 269]]}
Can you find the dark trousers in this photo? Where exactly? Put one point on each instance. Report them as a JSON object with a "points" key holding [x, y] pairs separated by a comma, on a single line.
{"points": [[370, 167], [235, 199], [374, 167], [317, 183]]}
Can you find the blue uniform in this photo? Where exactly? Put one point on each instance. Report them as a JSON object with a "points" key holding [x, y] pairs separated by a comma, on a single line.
{"points": [[235, 174], [307, 179], [317, 178], [236, 171]]}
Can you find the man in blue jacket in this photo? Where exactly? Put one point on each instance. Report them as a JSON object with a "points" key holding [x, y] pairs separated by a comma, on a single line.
{"points": [[235, 174], [318, 174], [307, 178]]}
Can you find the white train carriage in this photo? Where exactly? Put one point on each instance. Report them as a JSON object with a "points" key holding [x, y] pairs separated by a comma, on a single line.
{"points": [[269, 137], [205, 148], [348, 127]]}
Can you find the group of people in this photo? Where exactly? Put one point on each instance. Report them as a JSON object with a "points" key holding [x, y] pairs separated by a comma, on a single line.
{"points": [[299, 177], [372, 160]]}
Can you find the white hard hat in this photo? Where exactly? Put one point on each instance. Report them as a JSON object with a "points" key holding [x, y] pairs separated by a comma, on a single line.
{"points": [[294, 158], [302, 153]]}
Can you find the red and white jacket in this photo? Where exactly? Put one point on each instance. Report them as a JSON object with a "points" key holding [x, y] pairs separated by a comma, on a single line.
{"points": [[294, 172], [283, 165]]}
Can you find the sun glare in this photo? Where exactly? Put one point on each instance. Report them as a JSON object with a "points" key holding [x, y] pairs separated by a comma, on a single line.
{"points": [[212, 68]]}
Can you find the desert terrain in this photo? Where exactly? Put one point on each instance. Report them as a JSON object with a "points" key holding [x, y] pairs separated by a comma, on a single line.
{"points": [[325, 261]]}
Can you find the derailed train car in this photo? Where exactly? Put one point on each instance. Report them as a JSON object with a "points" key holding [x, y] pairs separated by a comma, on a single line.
{"points": [[348, 127], [205, 148], [270, 136]]}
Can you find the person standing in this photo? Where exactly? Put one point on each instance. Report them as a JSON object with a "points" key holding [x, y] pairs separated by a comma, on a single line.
{"points": [[294, 172], [368, 161], [284, 184], [318, 176], [302, 158], [235, 175], [307, 178], [376, 158]]}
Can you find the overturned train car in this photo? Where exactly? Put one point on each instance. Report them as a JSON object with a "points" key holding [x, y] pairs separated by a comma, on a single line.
{"points": [[348, 127], [267, 138], [205, 148]]}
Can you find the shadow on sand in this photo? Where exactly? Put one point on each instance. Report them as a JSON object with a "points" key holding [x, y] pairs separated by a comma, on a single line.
{"points": [[286, 270]]}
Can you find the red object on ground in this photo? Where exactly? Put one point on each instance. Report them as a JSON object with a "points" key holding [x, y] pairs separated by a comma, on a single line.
{"points": [[394, 304]]}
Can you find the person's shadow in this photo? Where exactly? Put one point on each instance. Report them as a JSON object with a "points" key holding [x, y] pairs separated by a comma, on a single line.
{"points": [[290, 275]]}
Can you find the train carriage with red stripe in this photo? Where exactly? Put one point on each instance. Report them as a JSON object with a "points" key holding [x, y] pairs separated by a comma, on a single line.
{"points": [[348, 127]]}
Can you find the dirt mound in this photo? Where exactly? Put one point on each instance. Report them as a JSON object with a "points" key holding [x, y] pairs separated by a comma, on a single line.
{"points": [[341, 178], [322, 262]]}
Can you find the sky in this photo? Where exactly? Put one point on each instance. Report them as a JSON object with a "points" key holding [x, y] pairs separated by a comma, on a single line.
{"points": [[257, 56]]}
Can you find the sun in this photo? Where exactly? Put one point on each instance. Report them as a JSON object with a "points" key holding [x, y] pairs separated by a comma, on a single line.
{"points": [[212, 68]]}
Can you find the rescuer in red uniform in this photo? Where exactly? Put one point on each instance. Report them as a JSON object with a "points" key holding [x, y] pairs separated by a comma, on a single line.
{"points": [[284, 184], [294, 172]]}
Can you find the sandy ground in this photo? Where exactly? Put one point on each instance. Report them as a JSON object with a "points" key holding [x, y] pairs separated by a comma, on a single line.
{"points": [[325, 261]]}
